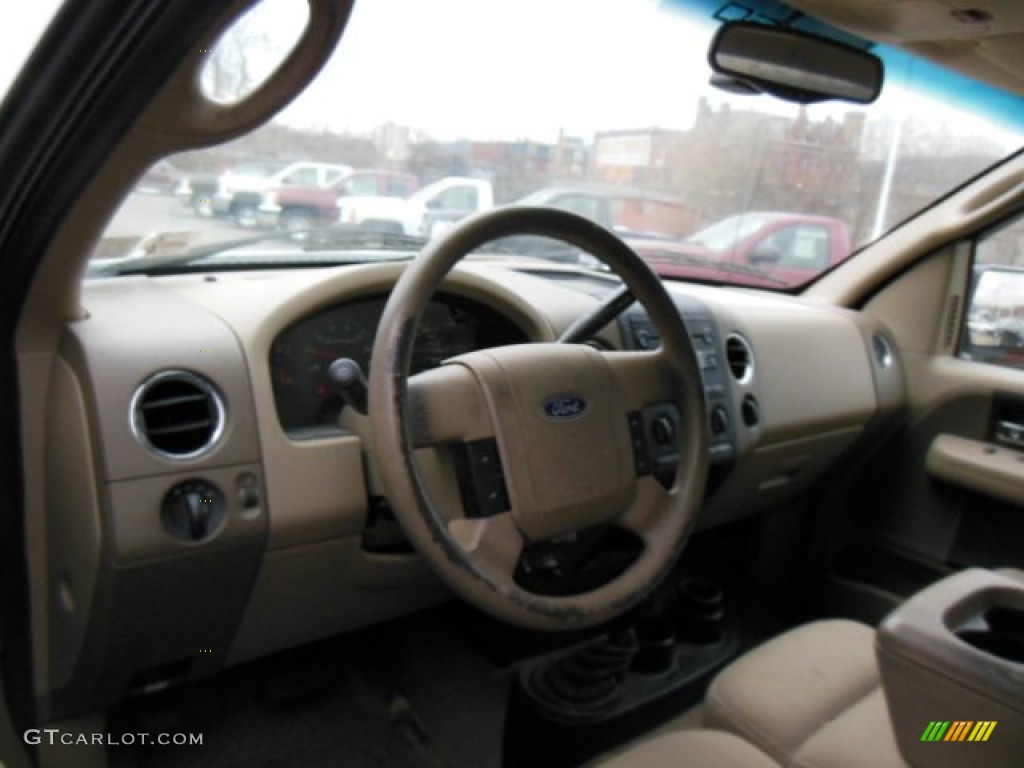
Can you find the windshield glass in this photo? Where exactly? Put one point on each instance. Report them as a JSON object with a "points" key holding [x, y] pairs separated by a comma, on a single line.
{"points": [[724, 235], [503, 101], [19, 36], [256, 169]]}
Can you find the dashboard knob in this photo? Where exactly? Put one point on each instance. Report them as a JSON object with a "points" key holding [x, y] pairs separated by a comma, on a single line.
{"points": [[193, 510]]}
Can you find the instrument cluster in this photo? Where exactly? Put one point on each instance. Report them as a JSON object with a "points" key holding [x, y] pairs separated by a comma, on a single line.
{"points": [[301, 354]]}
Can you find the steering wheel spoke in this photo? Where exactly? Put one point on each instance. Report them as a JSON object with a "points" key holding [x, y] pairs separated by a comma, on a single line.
{"points": [[494, 543], [643, 517], [445, 406], [645, 378]]}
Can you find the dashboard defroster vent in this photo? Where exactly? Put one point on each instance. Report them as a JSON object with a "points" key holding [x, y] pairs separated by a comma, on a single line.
{"points": [[740, 358], [177, 415]]}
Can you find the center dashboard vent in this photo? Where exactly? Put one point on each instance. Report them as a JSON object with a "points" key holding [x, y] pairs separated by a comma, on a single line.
{"points": [[740, 358], [178, 415]]}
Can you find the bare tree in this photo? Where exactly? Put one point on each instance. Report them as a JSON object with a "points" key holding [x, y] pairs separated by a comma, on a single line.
{"points": [[243, 58]]}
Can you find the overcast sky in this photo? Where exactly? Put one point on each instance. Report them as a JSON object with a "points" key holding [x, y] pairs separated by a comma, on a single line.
{"points": [[457, 69], [454, 68], [21, 24]]}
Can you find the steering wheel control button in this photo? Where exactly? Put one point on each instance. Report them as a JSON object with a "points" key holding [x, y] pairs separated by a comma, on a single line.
{"points": [[641, 457], [663, 430], [661, 434], [193, 511], [481, 479]]}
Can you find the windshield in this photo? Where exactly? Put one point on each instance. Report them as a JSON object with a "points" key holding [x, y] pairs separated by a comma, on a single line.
{"points": [[19, 36], [490, 102], [724, 235], [256, 169]]}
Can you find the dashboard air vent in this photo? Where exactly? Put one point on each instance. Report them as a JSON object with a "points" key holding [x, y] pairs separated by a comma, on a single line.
{"points": [[740, 358], [883, 351], [177, 415]]}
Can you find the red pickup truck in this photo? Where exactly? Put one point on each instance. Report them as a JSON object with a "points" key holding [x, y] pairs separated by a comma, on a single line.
{"points": [[300, 208], [768, 249]]}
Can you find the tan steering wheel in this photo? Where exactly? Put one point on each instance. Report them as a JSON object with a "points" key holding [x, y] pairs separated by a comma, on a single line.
{"points": [[560, 417]]}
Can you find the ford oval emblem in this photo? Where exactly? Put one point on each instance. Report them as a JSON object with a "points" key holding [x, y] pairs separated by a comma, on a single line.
{"points": [[565, 407]]}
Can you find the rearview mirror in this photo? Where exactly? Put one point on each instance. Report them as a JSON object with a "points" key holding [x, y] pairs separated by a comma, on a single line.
{"points": [[793, 65]]}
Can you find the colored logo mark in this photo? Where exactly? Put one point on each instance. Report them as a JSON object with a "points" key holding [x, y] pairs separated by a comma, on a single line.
{"points": [[958, 730]]}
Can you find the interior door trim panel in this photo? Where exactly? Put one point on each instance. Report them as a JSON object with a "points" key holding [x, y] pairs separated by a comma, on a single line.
{"points": [[980, 466]]}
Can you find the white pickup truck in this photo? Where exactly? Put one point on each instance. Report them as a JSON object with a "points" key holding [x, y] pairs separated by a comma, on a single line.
{"points": [[426, 212], [238, 191]]}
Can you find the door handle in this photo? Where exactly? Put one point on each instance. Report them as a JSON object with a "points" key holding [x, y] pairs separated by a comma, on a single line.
{"points": [[1010, 433]]}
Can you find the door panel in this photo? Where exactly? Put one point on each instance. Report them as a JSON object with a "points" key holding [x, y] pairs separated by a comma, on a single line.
{"points": [[945, 491]]}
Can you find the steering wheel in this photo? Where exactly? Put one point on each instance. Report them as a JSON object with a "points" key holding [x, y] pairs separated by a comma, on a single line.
{"points": [[559, 425]]}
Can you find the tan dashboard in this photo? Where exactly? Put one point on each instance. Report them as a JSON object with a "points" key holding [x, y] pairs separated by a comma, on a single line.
{"points": [[193, 513]]}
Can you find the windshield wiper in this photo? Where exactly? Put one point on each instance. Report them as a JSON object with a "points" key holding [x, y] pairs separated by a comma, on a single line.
{"points": [[686, 260], [161, 250], [157, 252], [361, 237]]}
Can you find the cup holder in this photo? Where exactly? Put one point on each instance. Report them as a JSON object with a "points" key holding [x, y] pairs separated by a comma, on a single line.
{"points": [[998, 631]]}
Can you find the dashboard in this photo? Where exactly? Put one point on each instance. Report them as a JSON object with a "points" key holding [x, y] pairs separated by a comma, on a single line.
{"points": [[301, 354], [240, 374]]}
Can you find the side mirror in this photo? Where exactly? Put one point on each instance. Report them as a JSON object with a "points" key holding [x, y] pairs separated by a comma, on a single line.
{"points": [[764, 254], [793, 65], [995, 317]]}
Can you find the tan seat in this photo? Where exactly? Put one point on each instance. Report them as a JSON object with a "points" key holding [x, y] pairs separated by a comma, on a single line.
{"points": [[690, 749], [809, 698]]}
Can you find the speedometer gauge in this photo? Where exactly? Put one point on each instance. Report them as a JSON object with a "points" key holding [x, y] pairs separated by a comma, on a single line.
{"points": [[302, 353], [340, 331]]}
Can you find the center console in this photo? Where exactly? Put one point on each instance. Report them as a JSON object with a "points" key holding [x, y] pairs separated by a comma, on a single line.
{"points": [[570, 705], [952, 665]]}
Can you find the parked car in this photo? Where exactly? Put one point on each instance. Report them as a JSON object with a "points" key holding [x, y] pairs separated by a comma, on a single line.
{"points": [[426, 212], [983, 329], [295, 208], [238, 192], [756, 248], [1011, 331]]}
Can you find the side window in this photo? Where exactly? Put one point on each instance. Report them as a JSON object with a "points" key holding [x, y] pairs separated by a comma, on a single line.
{"points": [[303, 177], [399, 186], [332, 176], [365, 185], [994, 331], [456, 199], [803, 246]]}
